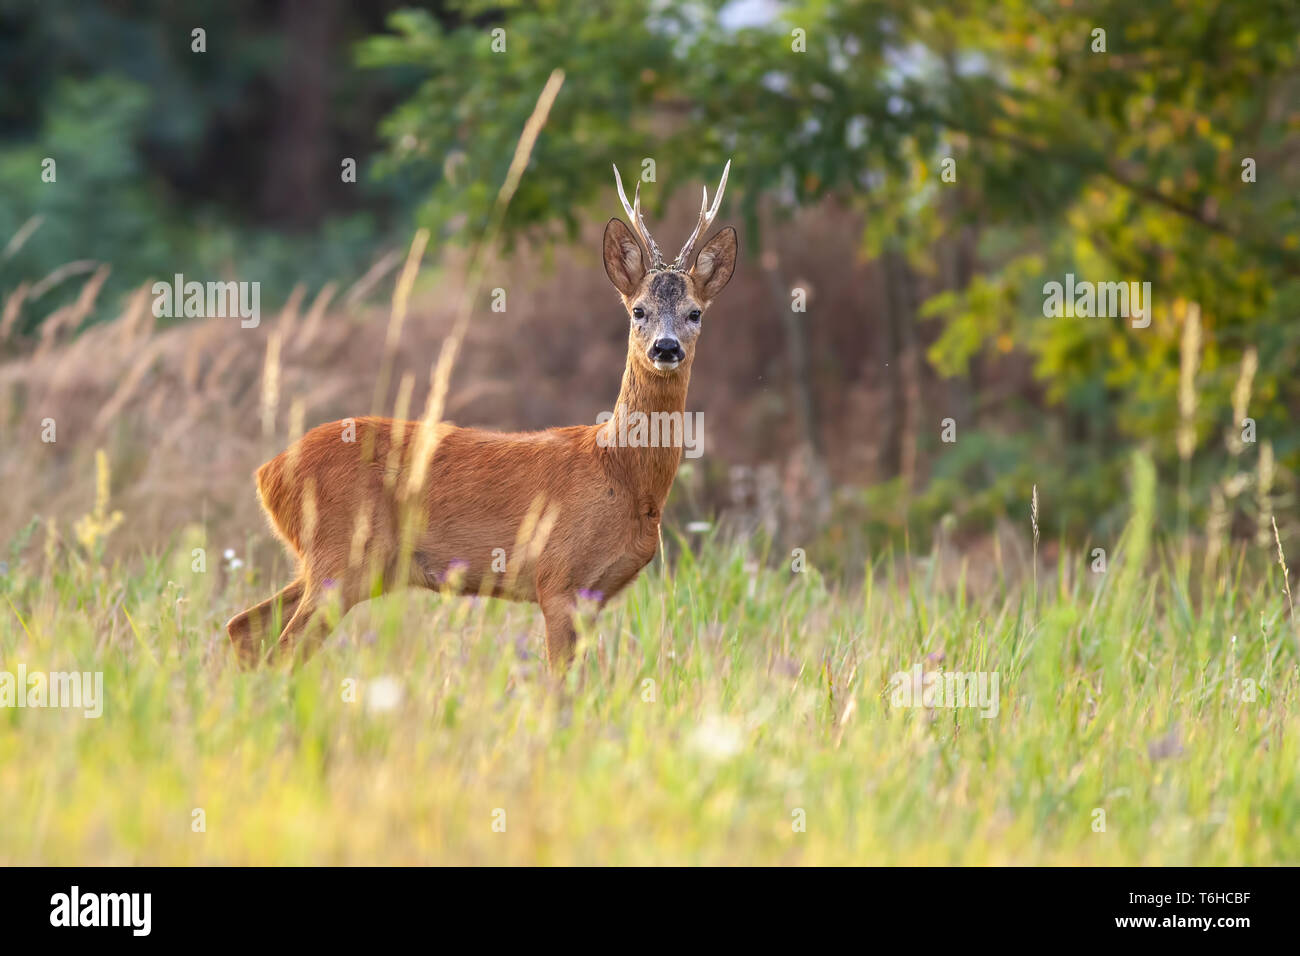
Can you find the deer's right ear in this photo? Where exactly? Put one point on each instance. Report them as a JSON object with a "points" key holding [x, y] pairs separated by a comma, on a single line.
{"points": [[624, 263]]}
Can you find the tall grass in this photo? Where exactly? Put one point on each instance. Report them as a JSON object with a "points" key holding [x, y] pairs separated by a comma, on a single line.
{"points": [[726, 710]]}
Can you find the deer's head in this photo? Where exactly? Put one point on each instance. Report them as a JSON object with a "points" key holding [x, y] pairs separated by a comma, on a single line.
{"points": [[666, 302]]}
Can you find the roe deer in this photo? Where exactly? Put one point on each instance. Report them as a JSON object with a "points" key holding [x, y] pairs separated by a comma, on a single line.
{"points": [[344, 507]]}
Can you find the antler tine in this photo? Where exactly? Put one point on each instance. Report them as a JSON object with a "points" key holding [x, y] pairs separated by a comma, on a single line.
{"points": [[700, 225], [622, 196], [633, 210], [656, 257], [707, 215]]}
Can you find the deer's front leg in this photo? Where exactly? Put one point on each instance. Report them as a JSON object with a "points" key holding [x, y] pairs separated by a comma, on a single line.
{"points": [[561, 636]]}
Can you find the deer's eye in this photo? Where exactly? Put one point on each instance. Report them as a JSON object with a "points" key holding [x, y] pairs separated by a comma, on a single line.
{"points": [[638, 313], [695, 315]]}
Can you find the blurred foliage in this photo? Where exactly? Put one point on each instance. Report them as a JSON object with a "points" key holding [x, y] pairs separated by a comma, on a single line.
{"points": [[168, 160], [1115, 164]]}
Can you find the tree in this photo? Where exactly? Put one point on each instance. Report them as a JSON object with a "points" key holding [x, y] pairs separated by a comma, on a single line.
{"points": [[1030, 140]]}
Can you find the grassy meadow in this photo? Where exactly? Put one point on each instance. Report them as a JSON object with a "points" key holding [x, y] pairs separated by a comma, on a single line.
{"points": [[727, 710], [750, 698]]}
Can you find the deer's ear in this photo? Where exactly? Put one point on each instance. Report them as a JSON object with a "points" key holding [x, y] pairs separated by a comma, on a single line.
{"points": [[623, 261], [715, 264]]}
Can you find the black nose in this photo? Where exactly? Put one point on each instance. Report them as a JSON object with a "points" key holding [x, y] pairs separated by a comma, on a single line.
{"points": [[666, 350]]}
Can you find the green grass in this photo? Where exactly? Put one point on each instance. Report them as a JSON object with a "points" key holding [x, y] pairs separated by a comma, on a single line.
{"points": [[768, 696]]}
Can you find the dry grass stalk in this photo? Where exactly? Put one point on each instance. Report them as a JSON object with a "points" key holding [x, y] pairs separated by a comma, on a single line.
{"points": [[74, 313], [1286, 581], [65, 271], [426, 442], [19, 238], [311, 325], [271, 384], [1190, 360], [13, 308], [361, 288]]}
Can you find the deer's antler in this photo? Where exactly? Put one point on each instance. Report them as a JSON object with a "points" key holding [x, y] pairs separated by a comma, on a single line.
{"points": [[707, 215], [633, 210]]}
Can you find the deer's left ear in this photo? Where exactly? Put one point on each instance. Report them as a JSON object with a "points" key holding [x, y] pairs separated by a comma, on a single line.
{"points": [[715, 264], [624, 263]]}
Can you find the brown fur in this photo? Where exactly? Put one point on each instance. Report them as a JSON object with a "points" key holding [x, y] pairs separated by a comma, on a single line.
{"points": [[338, 504]]}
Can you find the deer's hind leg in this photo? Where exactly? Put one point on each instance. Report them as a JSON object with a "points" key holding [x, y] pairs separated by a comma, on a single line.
{"points": [[262, 624], [352, 560], [326, 598], [306, 630]]}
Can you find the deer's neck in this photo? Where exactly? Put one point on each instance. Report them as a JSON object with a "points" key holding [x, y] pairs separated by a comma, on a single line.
{"points": [[648, 468]]}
